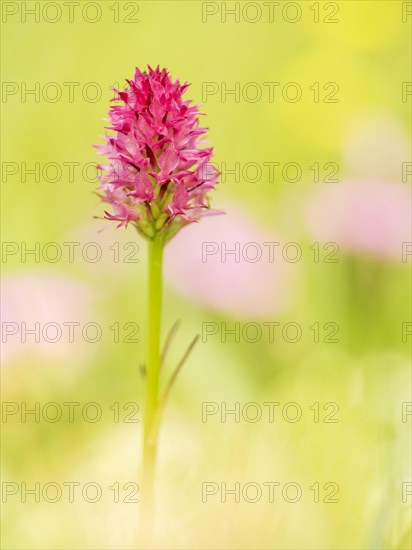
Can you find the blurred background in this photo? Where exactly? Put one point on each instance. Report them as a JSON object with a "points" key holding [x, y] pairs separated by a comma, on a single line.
{"points": [[308, 106]]}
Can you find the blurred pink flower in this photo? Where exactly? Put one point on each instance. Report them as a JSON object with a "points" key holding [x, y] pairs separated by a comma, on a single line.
{"points": [[159, 172], [35, 306], [195, 267], [362, 216]]}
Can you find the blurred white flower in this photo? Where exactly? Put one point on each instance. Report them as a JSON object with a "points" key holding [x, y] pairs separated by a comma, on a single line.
{"points": [[375, 147]]}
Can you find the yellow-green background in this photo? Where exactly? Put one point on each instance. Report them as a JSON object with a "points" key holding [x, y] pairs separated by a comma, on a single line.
{"points": [[368, 452]]}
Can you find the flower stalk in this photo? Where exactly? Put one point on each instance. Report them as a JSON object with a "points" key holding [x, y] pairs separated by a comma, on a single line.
{"points": [[154, 311]]}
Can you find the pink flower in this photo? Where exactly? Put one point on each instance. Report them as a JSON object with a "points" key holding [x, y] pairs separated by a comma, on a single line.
{"points": [[236, 284], [38, 310], [362, 216], [159, 172]]}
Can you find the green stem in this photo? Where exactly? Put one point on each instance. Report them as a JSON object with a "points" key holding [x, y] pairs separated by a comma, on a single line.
{"points": [[154, 308]]}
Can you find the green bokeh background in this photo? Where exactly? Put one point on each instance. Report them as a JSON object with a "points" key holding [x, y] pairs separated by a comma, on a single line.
{"points": [[368, 452]]}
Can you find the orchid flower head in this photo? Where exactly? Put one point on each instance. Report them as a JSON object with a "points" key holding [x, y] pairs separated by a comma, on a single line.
{"points": [[159, 171]]}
